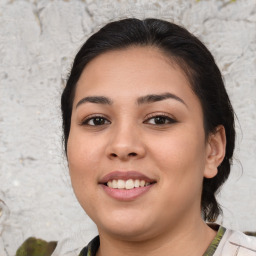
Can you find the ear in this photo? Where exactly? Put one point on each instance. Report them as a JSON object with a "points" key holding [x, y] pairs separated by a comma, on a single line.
{"points": [[215, 151]]}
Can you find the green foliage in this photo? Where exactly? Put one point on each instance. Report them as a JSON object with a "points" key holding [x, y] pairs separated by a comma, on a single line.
{"points": [[36, 247]]}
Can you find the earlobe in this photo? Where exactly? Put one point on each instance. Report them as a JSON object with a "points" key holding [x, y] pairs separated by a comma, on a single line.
{"points": [[216, 149]]}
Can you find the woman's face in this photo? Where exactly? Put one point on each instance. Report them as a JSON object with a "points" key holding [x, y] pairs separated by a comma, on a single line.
{"points": [[137, 150]]}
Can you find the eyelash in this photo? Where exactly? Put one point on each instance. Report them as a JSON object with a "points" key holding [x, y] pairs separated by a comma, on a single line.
{"points": [[164, 117], [91, 118]]}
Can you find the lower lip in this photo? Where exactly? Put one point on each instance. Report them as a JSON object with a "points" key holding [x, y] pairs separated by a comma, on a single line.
{"points": [[126, 194]]}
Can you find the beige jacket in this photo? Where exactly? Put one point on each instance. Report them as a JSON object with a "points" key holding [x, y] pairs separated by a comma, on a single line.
{"points": [[235, 243]]}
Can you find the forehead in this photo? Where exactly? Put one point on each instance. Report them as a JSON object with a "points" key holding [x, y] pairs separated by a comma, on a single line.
{"points": [[134, 71]]}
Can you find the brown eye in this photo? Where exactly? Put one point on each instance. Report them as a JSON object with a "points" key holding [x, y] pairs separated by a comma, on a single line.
{"points": [[95, 121], [160, 120]]}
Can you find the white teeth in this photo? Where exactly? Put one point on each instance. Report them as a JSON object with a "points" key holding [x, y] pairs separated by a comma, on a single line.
{"points": [[142, 183], [136, 183], [114, 183], [120, 184], [128, 184]]}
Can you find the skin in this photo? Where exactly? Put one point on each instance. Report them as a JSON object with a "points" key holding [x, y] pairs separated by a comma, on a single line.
{"points": [[177, 154]]}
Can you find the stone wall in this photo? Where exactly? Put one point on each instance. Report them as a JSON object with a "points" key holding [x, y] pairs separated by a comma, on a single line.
{"points": [[38, 39]]}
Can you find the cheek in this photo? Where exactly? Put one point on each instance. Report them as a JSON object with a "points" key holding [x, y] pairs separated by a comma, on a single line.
{"points": [[83, 166], [180, 161], [180, 155], [83, 161], [82, 151]]}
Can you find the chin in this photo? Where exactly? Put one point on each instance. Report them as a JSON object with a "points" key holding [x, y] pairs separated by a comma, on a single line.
{"points": [[130, 228], [132, 233]]}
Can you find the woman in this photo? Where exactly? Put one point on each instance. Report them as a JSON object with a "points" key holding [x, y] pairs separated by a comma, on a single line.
{"points": [[149, 137]]}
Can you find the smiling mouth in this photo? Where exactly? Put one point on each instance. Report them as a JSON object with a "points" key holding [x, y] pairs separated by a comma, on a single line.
{"points": [[126, 180], [127, 184]]}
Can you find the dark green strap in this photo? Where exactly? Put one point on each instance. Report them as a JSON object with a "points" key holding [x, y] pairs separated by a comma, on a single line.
{"points": [[214, 244]]}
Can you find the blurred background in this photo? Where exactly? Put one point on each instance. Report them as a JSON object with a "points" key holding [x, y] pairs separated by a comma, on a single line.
{"points": [[38, 41]]}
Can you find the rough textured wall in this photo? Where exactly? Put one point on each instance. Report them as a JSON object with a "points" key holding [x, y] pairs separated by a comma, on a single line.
{"points": [[38, 39]]}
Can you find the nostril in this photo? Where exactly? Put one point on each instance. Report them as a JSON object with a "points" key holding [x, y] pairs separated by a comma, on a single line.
{"points": [[129, 155]]}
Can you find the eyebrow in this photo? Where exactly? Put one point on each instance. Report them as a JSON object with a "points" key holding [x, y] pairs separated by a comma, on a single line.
{"points": [[151, 98], [95, 99]]}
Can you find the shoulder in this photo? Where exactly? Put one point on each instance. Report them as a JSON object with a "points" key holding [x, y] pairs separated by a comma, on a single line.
{"points": [[236, 243], [245, 245]]}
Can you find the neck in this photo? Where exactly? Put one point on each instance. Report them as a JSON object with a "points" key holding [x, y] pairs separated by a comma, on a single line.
{"points": [[189, 239]]}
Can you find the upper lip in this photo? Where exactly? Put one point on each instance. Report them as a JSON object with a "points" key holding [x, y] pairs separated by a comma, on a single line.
{"points": [[125, 175]]}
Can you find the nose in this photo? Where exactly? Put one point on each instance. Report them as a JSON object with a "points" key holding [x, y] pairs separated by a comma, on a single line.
{"points": [[125, 144]]}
